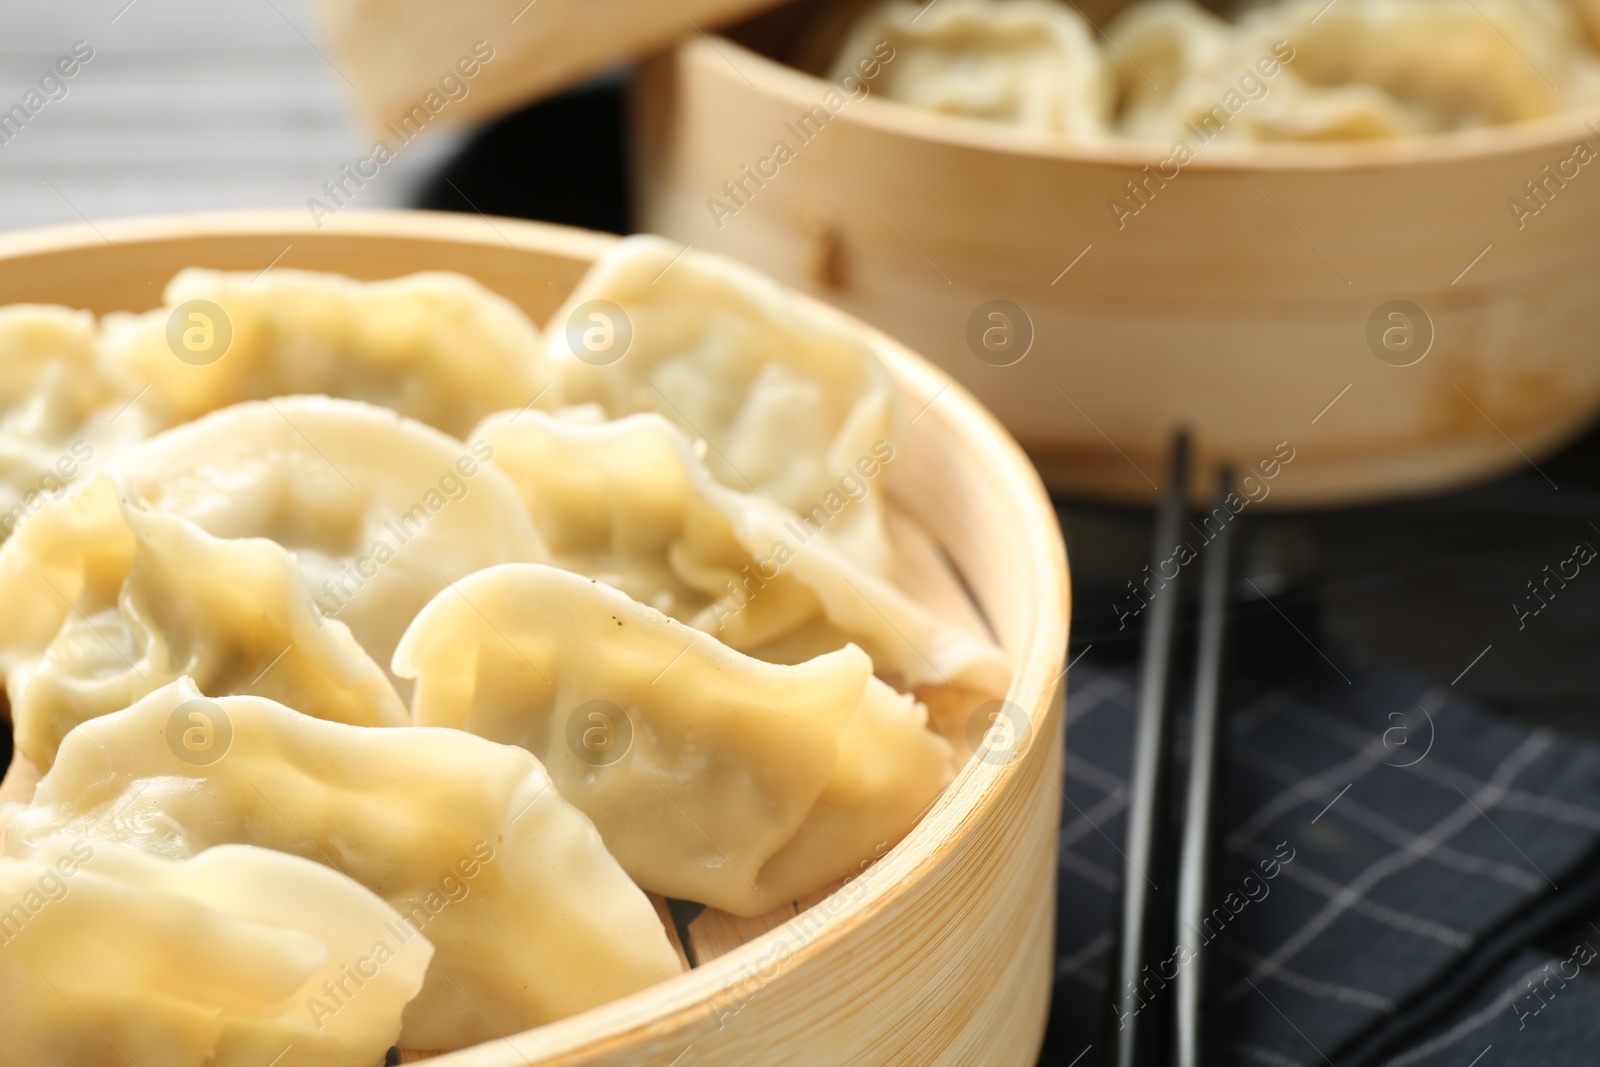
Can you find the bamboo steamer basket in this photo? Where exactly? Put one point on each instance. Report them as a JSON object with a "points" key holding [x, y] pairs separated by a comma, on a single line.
{"points": [[1237, 301], [415, 59], [941, 952]]}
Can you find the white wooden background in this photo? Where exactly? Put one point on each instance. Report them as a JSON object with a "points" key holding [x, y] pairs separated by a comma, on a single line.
{"points": [[187, 105]]}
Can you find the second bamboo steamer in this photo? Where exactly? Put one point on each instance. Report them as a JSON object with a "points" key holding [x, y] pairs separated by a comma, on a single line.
{"points": [[1374, 311]]}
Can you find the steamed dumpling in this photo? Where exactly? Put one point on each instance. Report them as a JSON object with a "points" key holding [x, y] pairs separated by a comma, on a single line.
{"points": [[711, 776], [1588, 15], [437, 347], [380, 511], [237, 957], [1186, 75], [780, 398], [628, 503], [106, 601], [1353, 70], [531, 918], [63, 407], [1173, 72], [1448, 64], [1028, 63]]}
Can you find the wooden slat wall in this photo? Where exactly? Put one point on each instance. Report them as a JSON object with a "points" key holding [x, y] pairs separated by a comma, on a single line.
{"points": [[187, 105]]}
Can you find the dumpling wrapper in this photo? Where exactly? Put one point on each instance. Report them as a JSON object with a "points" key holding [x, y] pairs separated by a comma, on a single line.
{"points": [[381, 511], [742, 785], [1184, 74], [106, 602], [63, 407], [627, 502], [437, 347], [1359, 70], [237, 957], [781, 399], [1027, 63], [1588, 14], [1454, 63], [531, 917]]}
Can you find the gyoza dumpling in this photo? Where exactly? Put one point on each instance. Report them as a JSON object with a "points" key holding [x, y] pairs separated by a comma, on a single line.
{"points": [[628, 503], [531, 918], [781, 399], [437, 347], [1452, 63], [1029, 63], [711, 776], [106, 601], [1588, 15], [63, 408], [382, 512], [1307, 70], [1186, 75], [238, 957]]}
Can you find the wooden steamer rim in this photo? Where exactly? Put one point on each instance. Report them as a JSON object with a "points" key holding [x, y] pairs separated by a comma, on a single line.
{"points": [[1221, 157], [1237, 306]]}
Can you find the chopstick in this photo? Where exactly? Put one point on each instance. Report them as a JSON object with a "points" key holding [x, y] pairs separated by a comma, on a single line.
{"points": [[1159, 930], [1196, 1034], [1138, 1038]]}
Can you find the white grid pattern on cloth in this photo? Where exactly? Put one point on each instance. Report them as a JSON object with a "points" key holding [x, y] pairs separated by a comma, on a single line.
{"points": [[1091, 872], [1485, 798], [1474, 1022], [1371, 753], [1333, 890], [1084, 771], [1379, 825], [1078, 965], [1099, 692], [1094, 695], [1103, 795], [1553, 808], [1345, 994], [1107, 807]]}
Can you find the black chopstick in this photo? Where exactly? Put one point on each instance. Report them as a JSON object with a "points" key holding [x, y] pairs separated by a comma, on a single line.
{"points": [[1137, 1037], [1196, 1034]]}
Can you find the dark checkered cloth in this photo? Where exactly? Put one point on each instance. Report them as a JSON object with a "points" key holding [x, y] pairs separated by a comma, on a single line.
{"points": [[1429, 839]]}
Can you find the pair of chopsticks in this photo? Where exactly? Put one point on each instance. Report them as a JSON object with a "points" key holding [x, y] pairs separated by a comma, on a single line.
{"points": [[1158, 1016]]}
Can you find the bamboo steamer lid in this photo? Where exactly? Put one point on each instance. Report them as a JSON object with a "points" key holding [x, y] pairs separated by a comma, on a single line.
{"points": [[470, 60]]}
